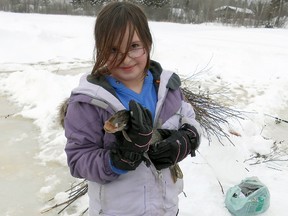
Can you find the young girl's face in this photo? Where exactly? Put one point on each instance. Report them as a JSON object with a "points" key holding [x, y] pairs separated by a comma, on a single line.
{"points": [[133, 66]]}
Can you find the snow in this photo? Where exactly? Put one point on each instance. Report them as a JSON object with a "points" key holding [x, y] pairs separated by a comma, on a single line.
{"points": [[43, 56]]}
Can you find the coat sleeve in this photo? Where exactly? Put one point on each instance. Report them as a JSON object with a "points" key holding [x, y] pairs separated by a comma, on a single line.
{"points": [[87, 152], [189, 116]]}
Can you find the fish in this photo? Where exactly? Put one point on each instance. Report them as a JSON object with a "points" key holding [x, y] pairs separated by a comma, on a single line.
{"points": [[119, 122]]}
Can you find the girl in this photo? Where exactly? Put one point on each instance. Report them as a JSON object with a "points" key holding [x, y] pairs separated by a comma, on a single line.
{"points": [[128, 177]]}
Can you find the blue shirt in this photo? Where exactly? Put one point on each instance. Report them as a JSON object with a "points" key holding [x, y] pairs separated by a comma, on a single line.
{"points": [[147, 97]]}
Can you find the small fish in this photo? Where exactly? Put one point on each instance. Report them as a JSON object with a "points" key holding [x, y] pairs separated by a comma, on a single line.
{"points": [[119, 121]]}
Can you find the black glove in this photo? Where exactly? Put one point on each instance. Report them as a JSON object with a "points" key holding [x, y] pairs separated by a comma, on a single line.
{"points": [[124, 159], [177, 144], [128, 152], [140, 128]]}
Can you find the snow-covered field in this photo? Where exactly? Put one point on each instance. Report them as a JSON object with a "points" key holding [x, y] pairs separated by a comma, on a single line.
{"points": [[43, 56]]}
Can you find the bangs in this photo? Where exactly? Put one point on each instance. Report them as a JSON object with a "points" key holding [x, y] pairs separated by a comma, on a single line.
{"points": [[116, 42]]}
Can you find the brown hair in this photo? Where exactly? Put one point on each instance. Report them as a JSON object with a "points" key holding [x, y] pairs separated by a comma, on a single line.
{"points": [[110, 28]]}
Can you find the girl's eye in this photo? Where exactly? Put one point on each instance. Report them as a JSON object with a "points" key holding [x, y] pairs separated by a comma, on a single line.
{"points": [[113, 50], [136, 46]]}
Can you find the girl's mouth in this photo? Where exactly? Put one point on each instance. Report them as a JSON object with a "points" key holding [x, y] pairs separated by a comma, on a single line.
{"points": [[127, 68]]}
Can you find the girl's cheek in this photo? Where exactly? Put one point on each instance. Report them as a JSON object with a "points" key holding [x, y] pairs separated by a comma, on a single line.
{"points": [[109, 65]]}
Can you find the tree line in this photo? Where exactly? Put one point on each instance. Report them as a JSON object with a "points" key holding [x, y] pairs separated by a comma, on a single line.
{"points": [[243, 13]]}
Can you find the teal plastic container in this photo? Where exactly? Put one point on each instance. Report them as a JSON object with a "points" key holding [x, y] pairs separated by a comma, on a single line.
{"points": [[250, 197]]}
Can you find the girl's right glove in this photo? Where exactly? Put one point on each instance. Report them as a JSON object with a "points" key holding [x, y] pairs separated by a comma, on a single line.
{"points": [[174, 147], [128, 152]]}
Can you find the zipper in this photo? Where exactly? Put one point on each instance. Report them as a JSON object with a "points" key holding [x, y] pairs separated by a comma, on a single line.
{"points": [[159, 109]]}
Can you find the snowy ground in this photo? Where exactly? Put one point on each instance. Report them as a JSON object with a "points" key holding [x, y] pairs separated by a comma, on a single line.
{"points": [[43, 56]]}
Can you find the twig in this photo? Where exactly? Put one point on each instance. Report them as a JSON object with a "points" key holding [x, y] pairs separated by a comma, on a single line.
{"points": [[269, 160], [221, 186], [74, 194], [219, 182], [277, 154], [274, 168], [7, 116], [84, 212], [278, 120]]}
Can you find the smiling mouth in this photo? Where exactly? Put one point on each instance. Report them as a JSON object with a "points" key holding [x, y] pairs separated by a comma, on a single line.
{"points": [[127, 68]]}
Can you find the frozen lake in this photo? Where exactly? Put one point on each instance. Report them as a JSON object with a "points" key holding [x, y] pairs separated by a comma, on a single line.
{"points": [[22, 177]]}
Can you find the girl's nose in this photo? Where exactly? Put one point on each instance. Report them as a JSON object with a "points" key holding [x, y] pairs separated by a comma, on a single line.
{"points": [[127, 59]]}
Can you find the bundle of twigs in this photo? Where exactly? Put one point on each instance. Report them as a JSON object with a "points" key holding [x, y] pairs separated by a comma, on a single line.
{"points": [[211, 114], [278, 153], [74, 193]]}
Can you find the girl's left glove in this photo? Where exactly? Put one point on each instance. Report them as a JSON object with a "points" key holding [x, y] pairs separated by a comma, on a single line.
{"points": [[177, 144]]}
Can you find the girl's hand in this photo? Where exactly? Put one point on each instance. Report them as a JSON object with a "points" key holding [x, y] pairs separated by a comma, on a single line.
{"points": [[128, 152], [140, 128], [177, 144]]}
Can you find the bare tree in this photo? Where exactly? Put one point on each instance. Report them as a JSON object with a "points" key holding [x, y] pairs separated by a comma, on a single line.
{"points": [[276, 11], [180, 11]]}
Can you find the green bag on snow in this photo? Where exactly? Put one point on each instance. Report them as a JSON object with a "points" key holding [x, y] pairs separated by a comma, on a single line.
{"points": [[250, 197]]}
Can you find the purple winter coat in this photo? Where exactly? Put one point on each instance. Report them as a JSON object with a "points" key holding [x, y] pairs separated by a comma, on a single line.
{"points": [[144, 191]]}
